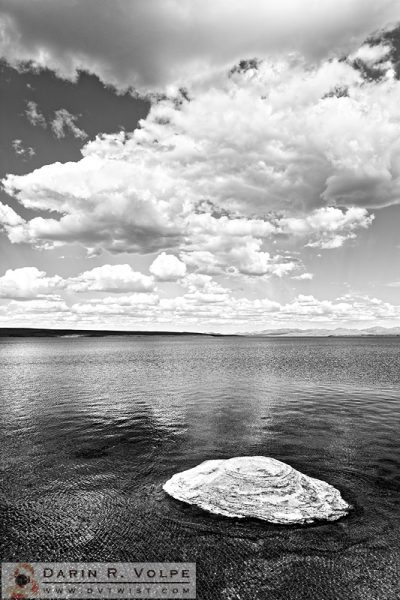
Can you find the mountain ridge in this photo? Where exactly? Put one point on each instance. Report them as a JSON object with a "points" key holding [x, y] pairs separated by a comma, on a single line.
{"points": [[337, 332]]}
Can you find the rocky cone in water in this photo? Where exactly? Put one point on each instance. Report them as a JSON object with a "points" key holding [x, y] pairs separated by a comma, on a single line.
{"points": [[257, 487]]}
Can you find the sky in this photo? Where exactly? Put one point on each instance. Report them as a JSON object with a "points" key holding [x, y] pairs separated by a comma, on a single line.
{"points": [[211, 166]]}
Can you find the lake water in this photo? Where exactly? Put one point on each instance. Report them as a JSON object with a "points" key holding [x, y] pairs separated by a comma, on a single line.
{"points": [[92, 428]]}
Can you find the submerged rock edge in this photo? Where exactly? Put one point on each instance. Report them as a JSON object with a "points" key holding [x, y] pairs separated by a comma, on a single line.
{"points": [[257, 487]]}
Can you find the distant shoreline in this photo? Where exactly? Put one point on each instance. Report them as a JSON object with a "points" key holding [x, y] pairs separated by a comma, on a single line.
{"points": [[50, 332], [25, 332]]}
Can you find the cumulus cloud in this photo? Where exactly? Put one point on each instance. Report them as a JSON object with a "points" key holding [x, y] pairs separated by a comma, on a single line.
{"points": [[31, 283], [167, 267], [9, 219], [65, 121], [204, 301], [330, 226], [203, 289], [304, 276], [250, 156], [372, 55], [27, 283], [132, 305], [205, 304], [111, 278], [346, 308], [21, 150], [232, 245], [145, 191], [157, 42], [104, 205], [33, 114], [269, 149]]}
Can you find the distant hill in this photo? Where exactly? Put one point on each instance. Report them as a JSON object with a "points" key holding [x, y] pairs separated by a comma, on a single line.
{"points": [[34, 332], [22, 332], [338, 332]]}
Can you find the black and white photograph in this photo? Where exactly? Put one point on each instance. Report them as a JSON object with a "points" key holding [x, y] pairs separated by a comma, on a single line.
{"points": [[200, 299]]}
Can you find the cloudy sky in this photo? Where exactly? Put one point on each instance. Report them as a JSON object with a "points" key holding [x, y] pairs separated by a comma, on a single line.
{"points": [[204, 165]]}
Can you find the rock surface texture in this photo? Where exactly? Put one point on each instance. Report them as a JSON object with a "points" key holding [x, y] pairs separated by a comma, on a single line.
{"points": [[257, 487]]}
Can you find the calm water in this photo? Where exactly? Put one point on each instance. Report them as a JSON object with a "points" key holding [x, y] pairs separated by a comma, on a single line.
{"points": [[91, 429]]}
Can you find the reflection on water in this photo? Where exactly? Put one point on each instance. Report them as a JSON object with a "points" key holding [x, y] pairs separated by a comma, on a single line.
{"points": [[92, 428]]}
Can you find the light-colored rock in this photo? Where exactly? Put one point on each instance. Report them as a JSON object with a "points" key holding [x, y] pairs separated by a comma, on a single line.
{"points": [[257, 487]]}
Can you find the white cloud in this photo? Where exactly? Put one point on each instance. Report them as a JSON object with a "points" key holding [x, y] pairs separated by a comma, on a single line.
{"points": [[157, 42], [261, 152], [42, 311], [111, 278], [287, 151], [33, 114], [233, 245], [139, 305], [31, 283], [105, 204], [202, 289], [64, 121], [249, 259], [346, 308], [9, 219], [167, 267], [304, 277], [21, 150], [27, 283], [330, 226], [371, 55], [231, 177], [204, 302]]}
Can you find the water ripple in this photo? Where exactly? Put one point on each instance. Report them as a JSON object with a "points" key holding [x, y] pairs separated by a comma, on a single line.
{"points": [[92, 428]]}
